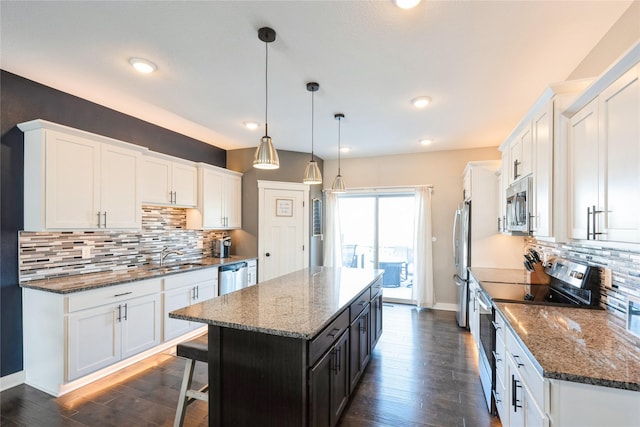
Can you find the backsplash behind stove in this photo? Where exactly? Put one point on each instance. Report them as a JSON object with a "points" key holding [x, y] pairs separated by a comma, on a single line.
{"points": [[44, 255], [624, 265]]}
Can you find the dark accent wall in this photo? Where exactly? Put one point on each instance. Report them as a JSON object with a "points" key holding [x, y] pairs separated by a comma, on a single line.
{"points": [[22, 100]]}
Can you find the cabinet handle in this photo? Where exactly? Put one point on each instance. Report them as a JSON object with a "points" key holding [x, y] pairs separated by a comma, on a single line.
{"points": [[593, 218], [362, 325], [198, 292], [515, 384], [516, 358], [123, 294], [105, 220], [333, 333], [496, 356], [119, 319], [125, 312], [339, 368], [99, 213], [496, 326], [588, 222], [515, 169], [499, 228], [193, 293]]}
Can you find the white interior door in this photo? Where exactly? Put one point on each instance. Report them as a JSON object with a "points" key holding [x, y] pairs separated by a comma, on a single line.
{"points": [[283, 240]]}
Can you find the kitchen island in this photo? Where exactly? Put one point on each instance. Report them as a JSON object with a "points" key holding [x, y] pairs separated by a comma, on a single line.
{"points": [[289, 351]]}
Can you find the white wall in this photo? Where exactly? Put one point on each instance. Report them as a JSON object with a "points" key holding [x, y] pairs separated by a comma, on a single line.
{"points": [[443, 170]]}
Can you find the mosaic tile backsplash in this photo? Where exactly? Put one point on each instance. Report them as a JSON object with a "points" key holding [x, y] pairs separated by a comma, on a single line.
{"points": [[624, 265], [44, 255]]}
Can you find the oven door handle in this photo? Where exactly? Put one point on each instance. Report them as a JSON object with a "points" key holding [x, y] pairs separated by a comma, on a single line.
{"points": [[482, 302]]}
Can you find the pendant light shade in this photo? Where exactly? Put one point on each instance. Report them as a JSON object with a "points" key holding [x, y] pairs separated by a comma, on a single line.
{"points": [[338, 183], [266, 156], [312, 173]]}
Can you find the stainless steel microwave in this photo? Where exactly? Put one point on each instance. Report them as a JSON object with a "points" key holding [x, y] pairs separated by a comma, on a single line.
{"points": [[519, 205]]}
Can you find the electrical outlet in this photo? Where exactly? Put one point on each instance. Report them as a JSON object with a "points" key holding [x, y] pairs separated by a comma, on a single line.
{"points": [[606, 276], [86, 252]]}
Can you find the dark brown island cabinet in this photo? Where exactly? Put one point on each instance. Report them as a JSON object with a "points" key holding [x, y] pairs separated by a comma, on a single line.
{"points": [[283, 377]]}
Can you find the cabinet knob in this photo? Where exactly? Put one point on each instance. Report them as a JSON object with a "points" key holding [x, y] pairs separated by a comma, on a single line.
{"points": [[267, 254]]}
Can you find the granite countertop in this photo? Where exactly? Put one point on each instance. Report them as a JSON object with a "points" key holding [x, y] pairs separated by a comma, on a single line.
{"points": [[296, 305], [85, 282], [576, 344]]}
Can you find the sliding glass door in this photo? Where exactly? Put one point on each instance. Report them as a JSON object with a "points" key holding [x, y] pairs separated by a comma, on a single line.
{"points": [[378, 232]]}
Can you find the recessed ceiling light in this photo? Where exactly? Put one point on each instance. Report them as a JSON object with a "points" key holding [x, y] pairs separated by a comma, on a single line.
{"points": [[345, 149], [251, 125], [421, 101], [426, 141], [406, 4], [143, 65]]}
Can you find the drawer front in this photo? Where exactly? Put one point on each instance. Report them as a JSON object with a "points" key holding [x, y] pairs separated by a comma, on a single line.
{"points": [[359, 304], [376, 288], [175, 281], [320, 344], [526, 368], [111, 294]]}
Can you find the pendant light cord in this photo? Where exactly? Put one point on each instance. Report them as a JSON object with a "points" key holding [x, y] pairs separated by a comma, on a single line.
{"points": [[266, 87], [339, 120], [312, 98]]}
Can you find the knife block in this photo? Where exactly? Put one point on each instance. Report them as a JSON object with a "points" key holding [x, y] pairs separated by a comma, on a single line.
{"points": [[538, 276]]}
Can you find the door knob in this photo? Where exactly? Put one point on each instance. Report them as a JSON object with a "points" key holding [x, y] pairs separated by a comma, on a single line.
{"points": [[267, 254]]}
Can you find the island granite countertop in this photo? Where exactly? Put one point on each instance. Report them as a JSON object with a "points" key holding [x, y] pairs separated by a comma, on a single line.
{"points": [[575, 344], [85, 282], [296, 305]]}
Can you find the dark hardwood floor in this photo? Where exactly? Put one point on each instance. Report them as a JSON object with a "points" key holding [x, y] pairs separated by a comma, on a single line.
{"points": [[422, 373]]}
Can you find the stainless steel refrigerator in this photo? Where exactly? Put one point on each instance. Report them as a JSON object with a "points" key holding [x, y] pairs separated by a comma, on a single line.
{"points": [[476, 239], [462, 259]]}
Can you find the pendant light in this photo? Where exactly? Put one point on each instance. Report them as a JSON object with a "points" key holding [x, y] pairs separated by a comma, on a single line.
{"points": [[266, 156], [312, 173], [338, 183]]}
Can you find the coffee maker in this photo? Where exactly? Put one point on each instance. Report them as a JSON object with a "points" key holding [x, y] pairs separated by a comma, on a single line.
{"points": [[221, 247]]}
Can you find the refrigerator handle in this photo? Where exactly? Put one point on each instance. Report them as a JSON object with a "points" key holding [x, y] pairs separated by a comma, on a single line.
{"points": [[456, 230]]}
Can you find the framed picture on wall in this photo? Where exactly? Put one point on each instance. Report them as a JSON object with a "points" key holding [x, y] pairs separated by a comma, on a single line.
{"points": [[284, 207]]}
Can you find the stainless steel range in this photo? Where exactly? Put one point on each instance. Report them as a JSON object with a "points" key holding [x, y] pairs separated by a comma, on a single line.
{"points": [[566, 283]]}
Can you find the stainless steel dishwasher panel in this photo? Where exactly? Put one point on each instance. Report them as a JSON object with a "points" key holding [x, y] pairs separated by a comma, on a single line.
{"points": [[232, 277]]}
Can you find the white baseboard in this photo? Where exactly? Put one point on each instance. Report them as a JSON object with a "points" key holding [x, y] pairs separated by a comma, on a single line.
{"points": [[445, 306], [11, 380]]}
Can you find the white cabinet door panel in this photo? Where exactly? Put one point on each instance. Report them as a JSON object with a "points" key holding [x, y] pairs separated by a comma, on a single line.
{"points": [[174, 300], [120, 190], [72, 182], [141, 320], [184, 180], [94, 340], [583, 168], [156, 180], [543, 171], [620, 158]]}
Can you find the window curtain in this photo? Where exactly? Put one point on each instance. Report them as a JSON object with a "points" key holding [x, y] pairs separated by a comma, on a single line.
{"points": [[333, 234], [423, 249]]}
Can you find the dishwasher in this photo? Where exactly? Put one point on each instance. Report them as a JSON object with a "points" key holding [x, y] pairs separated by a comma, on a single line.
{"points": [[232, 277]]}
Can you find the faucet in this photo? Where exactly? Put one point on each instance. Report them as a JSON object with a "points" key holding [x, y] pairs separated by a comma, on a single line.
{"points": [[166, 252]]}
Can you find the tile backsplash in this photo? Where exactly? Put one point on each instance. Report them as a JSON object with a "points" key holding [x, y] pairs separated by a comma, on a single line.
{"points": [[624, 265], [54, 254]]}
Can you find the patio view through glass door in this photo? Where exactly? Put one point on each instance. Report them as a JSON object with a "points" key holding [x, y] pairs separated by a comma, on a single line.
{"points": [[378, 232]]}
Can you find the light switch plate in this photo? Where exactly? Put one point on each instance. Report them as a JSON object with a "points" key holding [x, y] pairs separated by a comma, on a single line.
{"points": [[606, 275], [86, 252]]}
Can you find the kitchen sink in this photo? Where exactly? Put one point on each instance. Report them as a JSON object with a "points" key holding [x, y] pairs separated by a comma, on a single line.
{"points": [[175, 267]]}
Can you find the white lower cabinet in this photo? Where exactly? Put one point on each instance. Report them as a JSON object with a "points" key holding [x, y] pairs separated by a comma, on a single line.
{"points": [[183, 290], [530, 400], [101, 336]]}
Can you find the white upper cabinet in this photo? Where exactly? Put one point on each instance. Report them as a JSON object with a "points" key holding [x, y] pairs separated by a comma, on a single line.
{"points": [[542, 156], [521, 155], [619, 140], [583, 169], [604, 157], [78, 180], [219, 199], [169, 181], [536, 148]]}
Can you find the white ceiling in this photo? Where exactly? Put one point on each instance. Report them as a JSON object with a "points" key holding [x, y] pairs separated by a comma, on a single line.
{"points": [[483, 63]]}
